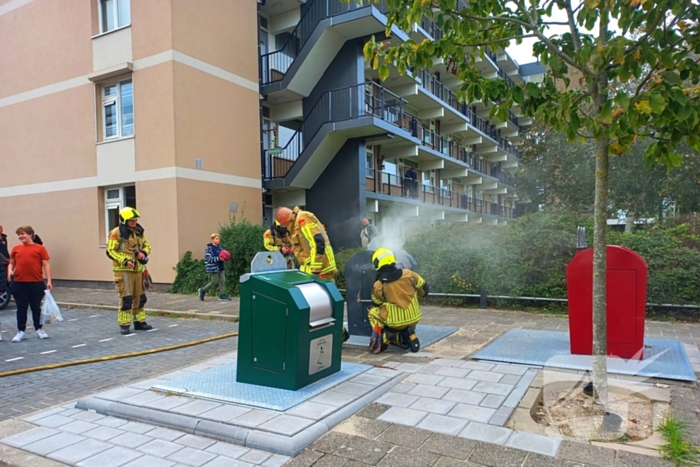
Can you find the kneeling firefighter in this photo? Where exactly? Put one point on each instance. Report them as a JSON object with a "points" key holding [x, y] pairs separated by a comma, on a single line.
{"points": [[128, 249], [396, 293], [276, 238]]}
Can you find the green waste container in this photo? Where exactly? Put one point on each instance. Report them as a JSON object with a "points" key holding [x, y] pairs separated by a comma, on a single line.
{"points": [[290, 326]]}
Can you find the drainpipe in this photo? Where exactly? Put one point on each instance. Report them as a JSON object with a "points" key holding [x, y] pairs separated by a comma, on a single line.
{"points": [[260, 110]]}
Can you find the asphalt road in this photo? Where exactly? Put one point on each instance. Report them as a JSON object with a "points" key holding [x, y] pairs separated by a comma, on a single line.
{"points": [[86, 334]]}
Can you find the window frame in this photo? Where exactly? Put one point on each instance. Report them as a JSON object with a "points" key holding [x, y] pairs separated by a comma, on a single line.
{"points": [[116, 15], [116, 100], [369, 161], [115, 203]]}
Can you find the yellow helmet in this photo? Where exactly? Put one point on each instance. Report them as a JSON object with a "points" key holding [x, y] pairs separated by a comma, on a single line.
{"points": [[383, 257], [128, 214]]}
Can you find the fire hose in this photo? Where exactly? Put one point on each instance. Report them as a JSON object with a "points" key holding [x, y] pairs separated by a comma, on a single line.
{"points": [[117, 356]]}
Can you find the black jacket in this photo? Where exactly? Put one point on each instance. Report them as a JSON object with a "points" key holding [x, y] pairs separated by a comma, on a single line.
{"points": [[3, 246]]}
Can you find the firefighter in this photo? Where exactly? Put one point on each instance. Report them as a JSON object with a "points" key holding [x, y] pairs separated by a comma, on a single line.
{"points": [[310, 245], [396, 312], [128, 249], [276, 238]]}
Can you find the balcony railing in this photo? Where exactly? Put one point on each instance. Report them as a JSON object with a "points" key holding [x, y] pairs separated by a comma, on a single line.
{"points": [[401, 187], [335, 106], [276, 64]]}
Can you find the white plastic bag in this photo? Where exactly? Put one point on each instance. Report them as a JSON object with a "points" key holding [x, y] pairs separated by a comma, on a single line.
{"points": [[49, 310]]}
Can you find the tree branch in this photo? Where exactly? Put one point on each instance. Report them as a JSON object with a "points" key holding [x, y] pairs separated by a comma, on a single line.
{"points": [[566, 4], [495, 41]]}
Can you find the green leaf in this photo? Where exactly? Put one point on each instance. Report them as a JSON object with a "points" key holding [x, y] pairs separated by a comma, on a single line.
{"points": [[383, 72], [671, 78], [623, 100], [657, 103], [518, 94], [606, 113], [624, 73]]}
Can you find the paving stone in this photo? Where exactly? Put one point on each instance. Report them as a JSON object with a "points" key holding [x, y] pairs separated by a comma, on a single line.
{"points": [[424, 390], [78, 427], [53, 443], [88, 416], [222, 461], [511, 369], [130, 440], [114, 457], [464, 397], [447, 362], [70, 412], [276, 461], [429, 369], [103, 433], [403, 388], [409, 367], [336, 399], [255, 456], [149, 461], [166, 434], [485, 376], [136, 427], [305, 459], [493, 401], [534, 443], [398, 400], [311, 410], [193, 441], [286, 425], [227, 450], [539, 460], [472, 365], [29, 436], [471, 412], [356, 389], [586, 453], [450, 446], [501, 416], [373, 410], [190, 456], [440, 424], [630, 459], [403, 416], [404, 436], [383, 372], [160, 448], [391, 364], [429, 380], [253, 418], [144, 398], [363, 450], [44, 414], [497, 456], [170, 402], [408, 457], [79, 451], [329, 460], [111, 422], [451, 462], [120, 394], [511, 379], [490, 434], [363, 427], [196, 407], [493, 388], [452, 371], [458, 383], [329, 442], [371, 380], [54, 421], [429, 404]]}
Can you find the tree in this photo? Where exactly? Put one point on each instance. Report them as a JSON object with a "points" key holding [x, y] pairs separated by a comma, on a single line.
{"points": [[653, 43]]}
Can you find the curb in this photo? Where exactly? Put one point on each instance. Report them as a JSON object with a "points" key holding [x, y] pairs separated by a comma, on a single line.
{"points": [[187, 314], [249, 437]]}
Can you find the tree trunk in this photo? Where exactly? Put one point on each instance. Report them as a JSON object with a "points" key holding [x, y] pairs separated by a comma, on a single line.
{"points": [[629, 223]]}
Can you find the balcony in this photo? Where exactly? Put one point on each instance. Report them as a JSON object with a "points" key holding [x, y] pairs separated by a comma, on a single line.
{"points": [[396, 186]]}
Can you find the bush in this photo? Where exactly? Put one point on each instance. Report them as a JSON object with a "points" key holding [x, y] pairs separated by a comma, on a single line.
{"points": [[242, 239], [341, 259]]}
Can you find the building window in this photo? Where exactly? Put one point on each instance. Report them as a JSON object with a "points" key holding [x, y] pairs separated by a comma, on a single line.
{"points": [[369, 161], [118, 109], [116, 199], [114, 14]]}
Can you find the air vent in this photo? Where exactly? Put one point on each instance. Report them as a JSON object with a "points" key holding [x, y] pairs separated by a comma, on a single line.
{"points": [[198, 164], [263, 22]]}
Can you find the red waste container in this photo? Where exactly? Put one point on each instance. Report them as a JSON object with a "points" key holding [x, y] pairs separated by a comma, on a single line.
{"points": [[626, 302]]}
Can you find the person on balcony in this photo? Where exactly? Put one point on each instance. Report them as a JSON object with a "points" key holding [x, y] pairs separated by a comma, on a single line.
{"points": [[411, 183], [368, 233], [276, 238], [396, 312]]}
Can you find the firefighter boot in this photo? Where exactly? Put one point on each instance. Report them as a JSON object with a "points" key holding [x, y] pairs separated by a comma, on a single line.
{"points": [[142, 326], [125, 330], [409, 339]]}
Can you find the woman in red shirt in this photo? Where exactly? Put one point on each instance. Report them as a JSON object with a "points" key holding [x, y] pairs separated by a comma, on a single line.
{"points": [[27, 260]]}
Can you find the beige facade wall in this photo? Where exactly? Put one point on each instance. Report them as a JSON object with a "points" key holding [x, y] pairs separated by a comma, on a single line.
{"points": [[151, 27]]}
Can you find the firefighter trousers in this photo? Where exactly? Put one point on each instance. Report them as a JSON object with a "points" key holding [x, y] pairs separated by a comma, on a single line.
{"points": [[132, 298]]}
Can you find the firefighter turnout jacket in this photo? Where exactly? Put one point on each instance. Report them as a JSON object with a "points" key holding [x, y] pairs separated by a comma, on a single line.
{"points": [[123, 246], [310, 244], [275, 242], [395, 296]]}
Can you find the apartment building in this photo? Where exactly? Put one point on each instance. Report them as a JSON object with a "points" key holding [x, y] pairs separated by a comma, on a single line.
{"points": [[339, 141], [146, 103]]}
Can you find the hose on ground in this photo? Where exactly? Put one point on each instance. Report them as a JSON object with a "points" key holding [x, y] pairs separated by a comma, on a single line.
{"points": [[116, 357]]}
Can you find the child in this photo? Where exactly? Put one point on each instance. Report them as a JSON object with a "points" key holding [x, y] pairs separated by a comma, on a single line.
{"points": [[26, 263], [215, 268]]}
